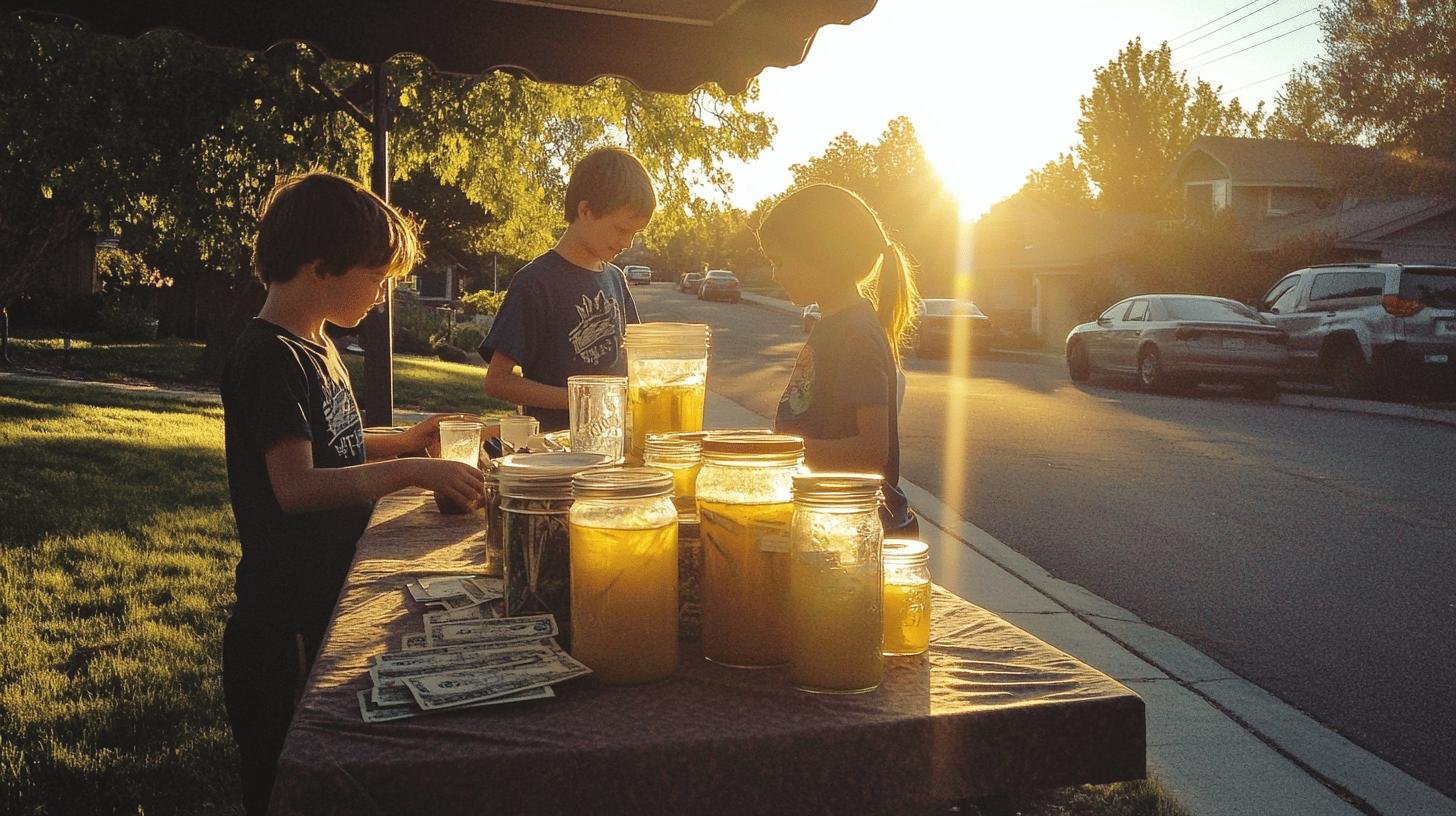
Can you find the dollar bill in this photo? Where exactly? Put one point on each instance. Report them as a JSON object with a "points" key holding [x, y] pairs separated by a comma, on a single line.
{"points": [[413, 641], [499, 630], [454, 689], [472, 613], [393, 673], [441, 588], [373, 712]]}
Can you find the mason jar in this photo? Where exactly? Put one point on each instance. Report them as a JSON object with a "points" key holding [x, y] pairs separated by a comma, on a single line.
{"points": [[536, 499], [745, 505], [624, 574], [667, 380], [836, 628], [907, 596], [494, 557], [681, 455]]}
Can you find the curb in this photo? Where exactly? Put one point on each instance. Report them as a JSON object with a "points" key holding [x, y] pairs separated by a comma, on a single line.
{"points": [[1442, 416]]}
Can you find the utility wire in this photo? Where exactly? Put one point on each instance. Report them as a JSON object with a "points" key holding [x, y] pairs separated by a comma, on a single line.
{"points": [[1250, 34], [1255, 45], [1262, 81], [1214, 20], [1226, 25]]}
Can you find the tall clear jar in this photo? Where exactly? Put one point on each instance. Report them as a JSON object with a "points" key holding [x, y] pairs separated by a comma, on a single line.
{"points": [[835, 622], [667, 380], [680, 454], [494, 556], [624, 574], [907, 596], [745, 506]]}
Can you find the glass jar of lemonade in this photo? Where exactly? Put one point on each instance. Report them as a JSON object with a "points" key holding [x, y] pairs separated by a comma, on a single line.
{"points": [[624, 572], [681, 455], [667, 378], [907, 596], [836, 629], [745, 505]]}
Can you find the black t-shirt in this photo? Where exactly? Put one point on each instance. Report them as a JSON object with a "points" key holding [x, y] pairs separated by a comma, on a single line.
{"points": [[277, 385], [559, 319], [845, 364]]}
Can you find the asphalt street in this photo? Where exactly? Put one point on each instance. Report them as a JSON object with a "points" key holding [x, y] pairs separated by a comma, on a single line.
{"points": [[1310, 552]]}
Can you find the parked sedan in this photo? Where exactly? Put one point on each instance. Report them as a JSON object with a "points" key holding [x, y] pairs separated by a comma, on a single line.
{"points": [[638, 274], [1168, 340], [720, 284], [937, 322], [690, 283], [809, 318]]}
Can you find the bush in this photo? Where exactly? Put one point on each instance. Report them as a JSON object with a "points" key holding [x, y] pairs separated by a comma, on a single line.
{"points": [[124, 322], [483, 302], [453, 354], [465, 335], [415, 324]]}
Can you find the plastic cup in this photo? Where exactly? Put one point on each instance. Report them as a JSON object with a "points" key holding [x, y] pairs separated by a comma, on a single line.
{"points": [[460, 442], [516, 430]]}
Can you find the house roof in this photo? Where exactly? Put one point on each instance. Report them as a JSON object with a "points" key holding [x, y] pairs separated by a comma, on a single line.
{"points": [[1361, 223], [1279, 162], [1025, 233]]}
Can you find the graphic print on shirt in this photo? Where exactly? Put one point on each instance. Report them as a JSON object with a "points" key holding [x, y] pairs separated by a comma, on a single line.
{"points": [[595, 335], [801, 383], [346, 436]]}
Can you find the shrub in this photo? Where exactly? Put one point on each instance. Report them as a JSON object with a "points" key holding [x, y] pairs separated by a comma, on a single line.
{"points": [[121, 321], [483, 302], [465, 335], [415, 324]]}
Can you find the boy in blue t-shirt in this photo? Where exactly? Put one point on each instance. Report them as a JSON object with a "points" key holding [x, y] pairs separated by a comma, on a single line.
{"points": [[566, 311]]}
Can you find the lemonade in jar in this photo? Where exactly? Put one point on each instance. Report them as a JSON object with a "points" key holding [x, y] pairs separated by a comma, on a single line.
{"points": [[624, 574], [907, 597], [667, 379]]}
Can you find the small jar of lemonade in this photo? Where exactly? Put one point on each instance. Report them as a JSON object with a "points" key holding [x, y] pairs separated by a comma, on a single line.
{"points": [[745, 505], [624, 572], [667, 377], [836, 628], [681, 455], [907, 596]]}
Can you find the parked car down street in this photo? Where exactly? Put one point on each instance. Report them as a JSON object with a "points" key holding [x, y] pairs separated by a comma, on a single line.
{"points": [[638, 274], [690, 282], [1180, 340], [1369, 329], [720, 284], [809, 317], [936, 323]]}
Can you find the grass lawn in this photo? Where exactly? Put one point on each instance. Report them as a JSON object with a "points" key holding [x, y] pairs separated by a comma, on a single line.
{"points": [[420, 383], [117, 547]]}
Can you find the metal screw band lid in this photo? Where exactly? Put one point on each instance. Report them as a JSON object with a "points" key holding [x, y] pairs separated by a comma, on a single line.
{"points": [[738, 442], [837, 488], [622, 483]]}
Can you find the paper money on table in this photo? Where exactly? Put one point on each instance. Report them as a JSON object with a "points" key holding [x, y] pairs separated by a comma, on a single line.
{"points": [[455, 591], [394, 672], [454, 689], [498, 630], [373, 712], [471, 613], [414, 641]]}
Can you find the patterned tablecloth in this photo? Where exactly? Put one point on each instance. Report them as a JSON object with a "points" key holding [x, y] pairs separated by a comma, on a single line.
{"points": [[990, 709]]}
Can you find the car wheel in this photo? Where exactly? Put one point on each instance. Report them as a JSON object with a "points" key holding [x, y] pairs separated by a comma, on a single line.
{"points": [[1347, 372], [1078, 367], [1150, 374]]}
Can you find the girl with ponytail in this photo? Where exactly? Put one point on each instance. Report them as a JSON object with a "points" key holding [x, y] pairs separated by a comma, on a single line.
{"points": [[828, 247]]}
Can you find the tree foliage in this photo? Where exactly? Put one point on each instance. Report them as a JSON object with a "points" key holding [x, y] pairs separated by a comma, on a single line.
{"points": [[1140, 116], [1060, 181]]}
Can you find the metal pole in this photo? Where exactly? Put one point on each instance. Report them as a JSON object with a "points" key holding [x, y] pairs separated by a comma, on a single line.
{"points": [[377, 331], [5, 335]]}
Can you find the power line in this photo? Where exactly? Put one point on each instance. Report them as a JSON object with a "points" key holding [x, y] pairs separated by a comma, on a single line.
{"points": [[1226, 25], [1262, 81], [1250, 34], [1214, 20], [1255, 45]]}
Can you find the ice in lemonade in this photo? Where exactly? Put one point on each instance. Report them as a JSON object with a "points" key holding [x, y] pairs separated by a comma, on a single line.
{"points": [[624, 604], [745, 582]]}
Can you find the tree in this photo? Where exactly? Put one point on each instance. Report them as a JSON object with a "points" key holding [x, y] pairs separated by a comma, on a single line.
{"points": [[1140, 116], [1060, 181], [1388, 74], [1302, 111]]}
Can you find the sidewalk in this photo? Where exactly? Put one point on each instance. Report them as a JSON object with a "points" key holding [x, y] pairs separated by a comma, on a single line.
{"points": [[1219, 744]]}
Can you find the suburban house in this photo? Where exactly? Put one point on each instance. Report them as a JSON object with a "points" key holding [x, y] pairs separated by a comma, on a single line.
{"points": [[439, 279], [1364, 201]]}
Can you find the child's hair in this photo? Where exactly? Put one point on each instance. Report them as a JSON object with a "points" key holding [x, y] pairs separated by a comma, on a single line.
{"points": [[608, 179], [836, 231], [330, 219]]}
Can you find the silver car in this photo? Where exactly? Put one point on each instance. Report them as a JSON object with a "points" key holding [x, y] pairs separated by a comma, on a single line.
{"points": [[1172, 340]]}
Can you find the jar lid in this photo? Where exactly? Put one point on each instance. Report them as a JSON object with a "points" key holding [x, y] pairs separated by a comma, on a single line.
{"points": [[653, 335], [545, 475], [622, 483], [848, 488], [905, 549], [738, 442], [672, 445], [597, 379]]}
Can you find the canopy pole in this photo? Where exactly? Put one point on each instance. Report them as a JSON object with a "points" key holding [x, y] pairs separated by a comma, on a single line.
{"points": [[377, 331]]}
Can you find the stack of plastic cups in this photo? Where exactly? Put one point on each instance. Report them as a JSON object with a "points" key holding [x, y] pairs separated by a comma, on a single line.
{"points": [[667, 380]]}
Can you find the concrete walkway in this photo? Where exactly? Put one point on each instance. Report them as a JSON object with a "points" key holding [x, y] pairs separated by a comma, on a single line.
{"points": [[1220, 745]]}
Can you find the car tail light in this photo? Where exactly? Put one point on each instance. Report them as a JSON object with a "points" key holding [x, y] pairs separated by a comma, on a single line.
{"points": [[1187, 334], [1401, 307]]}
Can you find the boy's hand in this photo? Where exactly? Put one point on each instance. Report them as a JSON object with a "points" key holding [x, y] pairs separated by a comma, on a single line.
{"points": [[425, 434], [460, 483]]}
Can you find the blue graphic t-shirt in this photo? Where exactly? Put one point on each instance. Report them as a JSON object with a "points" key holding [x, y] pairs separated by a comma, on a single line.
{"points": [[845, 364], [277, 385], [559, 319]]}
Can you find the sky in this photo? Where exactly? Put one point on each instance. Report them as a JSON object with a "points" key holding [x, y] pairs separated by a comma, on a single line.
{"points": [[992, 87]]}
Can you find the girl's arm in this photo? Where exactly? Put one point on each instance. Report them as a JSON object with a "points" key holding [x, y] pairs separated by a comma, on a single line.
{"points": [[865, 452], [503, 383], [422, 436], [300, 487]]}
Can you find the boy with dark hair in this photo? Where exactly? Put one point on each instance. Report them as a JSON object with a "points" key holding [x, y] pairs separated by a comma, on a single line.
{"points": [[301, 473], [566, 311]]}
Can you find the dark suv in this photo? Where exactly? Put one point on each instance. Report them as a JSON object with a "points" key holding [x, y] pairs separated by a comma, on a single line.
{"points": [[1364, 328]]}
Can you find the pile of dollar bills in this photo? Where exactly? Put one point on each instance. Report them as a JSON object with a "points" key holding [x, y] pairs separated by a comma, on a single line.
{"points": [[467, 656]]}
